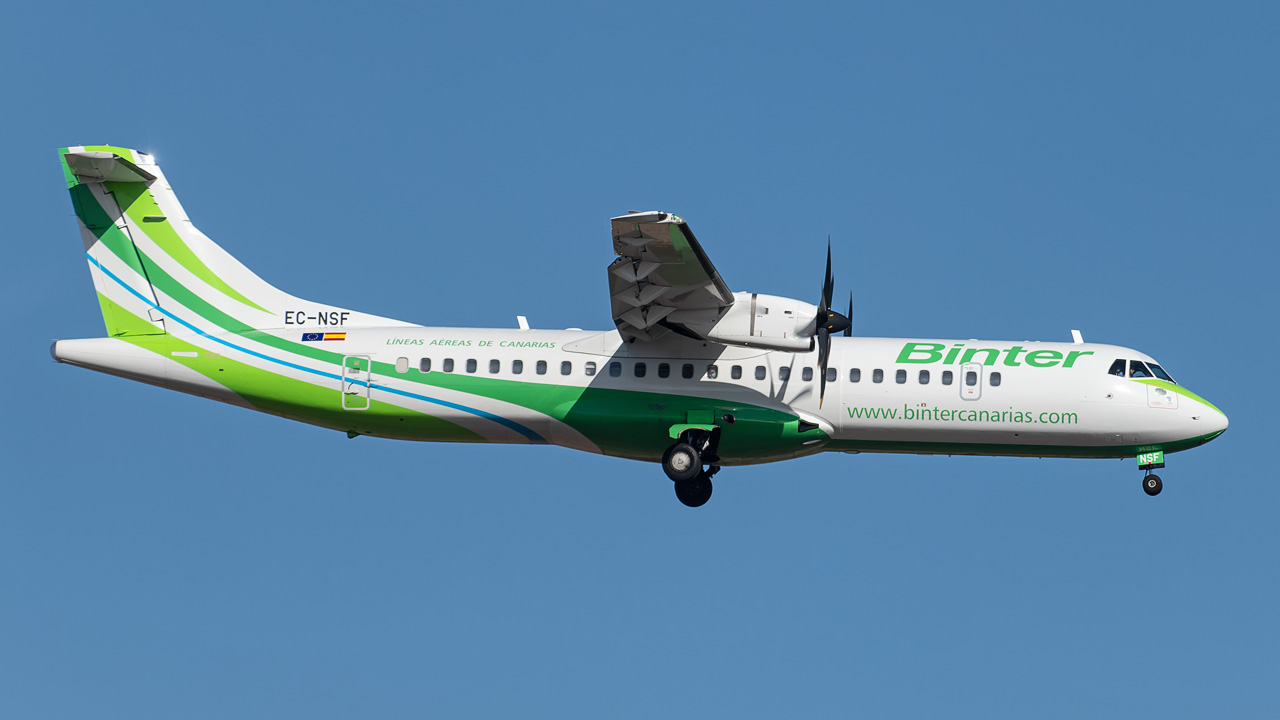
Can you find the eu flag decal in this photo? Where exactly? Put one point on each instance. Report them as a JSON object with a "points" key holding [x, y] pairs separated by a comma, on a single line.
{"points": [[316, 337]]}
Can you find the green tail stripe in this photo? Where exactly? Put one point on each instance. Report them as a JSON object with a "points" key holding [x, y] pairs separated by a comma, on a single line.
{"points": [[125, 153], [139, 205], [123, 324], [170, 286], [66, 169], [104, 228]]}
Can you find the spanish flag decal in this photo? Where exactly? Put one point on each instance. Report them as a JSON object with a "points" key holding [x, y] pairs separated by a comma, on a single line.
{"points": [[313, 337]]}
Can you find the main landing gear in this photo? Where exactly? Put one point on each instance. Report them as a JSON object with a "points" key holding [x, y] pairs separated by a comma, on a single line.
{"points": [[1151, 484], [683, 463]]}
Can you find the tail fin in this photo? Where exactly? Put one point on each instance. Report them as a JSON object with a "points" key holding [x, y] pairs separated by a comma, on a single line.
{"points": [[156, 273]]}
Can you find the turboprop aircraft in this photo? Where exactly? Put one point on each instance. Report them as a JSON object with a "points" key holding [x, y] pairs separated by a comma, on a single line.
{"points": [[693, 376]]}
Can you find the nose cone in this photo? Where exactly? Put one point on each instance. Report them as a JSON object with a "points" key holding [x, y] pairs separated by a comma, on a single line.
{"points": [[1210, 422], [1216, 420]]}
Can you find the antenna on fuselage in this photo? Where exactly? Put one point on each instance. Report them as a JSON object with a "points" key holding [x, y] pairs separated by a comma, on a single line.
{"points": [[523, 322], [1076, 337]]}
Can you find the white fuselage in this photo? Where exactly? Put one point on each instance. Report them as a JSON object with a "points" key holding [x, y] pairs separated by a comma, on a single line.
{"points": [[1029, 398]]}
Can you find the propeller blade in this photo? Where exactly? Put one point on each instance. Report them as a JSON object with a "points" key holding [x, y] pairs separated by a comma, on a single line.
{"points": [[824, 352], [828, 322], [828, 284], [848, 332]]}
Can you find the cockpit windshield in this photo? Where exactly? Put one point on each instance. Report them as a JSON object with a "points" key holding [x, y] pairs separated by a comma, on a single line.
{"points": [[1160, 373], [1138, 369]]}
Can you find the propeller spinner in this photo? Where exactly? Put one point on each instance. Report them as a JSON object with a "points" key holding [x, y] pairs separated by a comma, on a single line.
{"points": [[828, 322]]}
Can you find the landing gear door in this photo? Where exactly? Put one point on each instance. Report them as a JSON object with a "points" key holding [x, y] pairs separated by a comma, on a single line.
{"points": [[971, 381], [356, 374]]}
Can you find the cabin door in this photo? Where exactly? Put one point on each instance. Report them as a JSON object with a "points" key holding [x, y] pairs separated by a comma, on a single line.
{"points": [[971, 381], [356, 374]]}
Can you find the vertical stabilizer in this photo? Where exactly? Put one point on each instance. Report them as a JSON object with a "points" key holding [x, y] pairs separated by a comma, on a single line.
{"points": [[156, 273]]}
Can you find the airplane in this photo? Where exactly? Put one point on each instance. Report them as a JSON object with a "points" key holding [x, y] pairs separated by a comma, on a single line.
{"points": [[693, 376]]}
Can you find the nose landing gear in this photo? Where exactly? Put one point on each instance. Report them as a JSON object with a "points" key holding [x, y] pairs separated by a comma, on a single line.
{"points": [[1149, 461]]}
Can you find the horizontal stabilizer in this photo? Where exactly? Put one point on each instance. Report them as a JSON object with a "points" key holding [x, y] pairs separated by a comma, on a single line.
{"points": [[91, 167]]}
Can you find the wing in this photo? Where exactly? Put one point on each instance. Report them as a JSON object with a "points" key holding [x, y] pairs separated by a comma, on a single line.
{"points": [[662, 278]]}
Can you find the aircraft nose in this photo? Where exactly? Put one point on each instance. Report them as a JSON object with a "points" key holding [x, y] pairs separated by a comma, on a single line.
{"points": [[1212, 421], [1218, 422]]}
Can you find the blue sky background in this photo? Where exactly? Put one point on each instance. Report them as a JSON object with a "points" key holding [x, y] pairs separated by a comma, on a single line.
{"points": [[994, 170]]}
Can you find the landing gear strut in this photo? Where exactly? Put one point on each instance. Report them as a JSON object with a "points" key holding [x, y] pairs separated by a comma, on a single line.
{"points": [[1148, 461], [683, 463]]}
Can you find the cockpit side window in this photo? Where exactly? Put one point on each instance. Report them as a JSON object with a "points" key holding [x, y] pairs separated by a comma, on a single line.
{"points": [[1138, 369], [1160, 373], [1117, 368]]}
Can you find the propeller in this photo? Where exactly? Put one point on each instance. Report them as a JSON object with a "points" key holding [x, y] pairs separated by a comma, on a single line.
{"points": [[828, 322], [848, 332]]}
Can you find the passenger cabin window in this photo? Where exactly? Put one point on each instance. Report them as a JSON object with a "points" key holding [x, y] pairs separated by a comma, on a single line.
{"points": [[686, 371], [970, 378], [640, 369], [615, 369], [713, 372], [517, 367], [994, 379], [424, 365], [541, 367], [566, 367], [855, 375], [402, 365], [761, 373], [946, 377], [784, 374], [494, 366], [1138, 369], [471, 365], [806, 374], [924, 377], [589, 368], [877, 376], [1117, 368], [664, 370], [831, 374], [900, 377], [735, 372], [448, 364]]}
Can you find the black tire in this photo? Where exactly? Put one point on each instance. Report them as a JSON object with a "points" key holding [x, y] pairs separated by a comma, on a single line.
{"points": [[695, 492], [682, 462], [1152, 485]]}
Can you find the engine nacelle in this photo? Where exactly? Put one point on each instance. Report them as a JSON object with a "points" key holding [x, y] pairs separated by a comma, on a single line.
{"points": [[755, 320]]}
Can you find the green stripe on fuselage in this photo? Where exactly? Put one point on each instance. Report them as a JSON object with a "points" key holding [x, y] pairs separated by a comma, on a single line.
{"points": [[307, 402], [620, 422], [1007, 450], [632, 423], [1176, 388]]}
